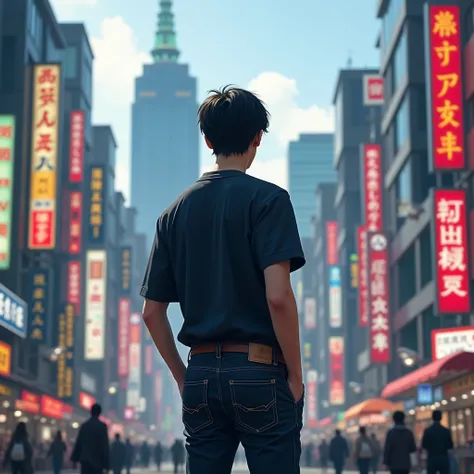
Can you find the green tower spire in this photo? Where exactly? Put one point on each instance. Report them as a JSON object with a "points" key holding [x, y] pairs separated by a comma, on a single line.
{"points": [[165, 48]]}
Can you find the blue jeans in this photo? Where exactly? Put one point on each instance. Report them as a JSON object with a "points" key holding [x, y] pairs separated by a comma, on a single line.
{"points": [[228, 400], [364, 465]]}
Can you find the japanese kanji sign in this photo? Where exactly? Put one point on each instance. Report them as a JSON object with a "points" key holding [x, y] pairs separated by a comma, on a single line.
{"points": [[39, 305], [445, 90], [74, 285], [311, 399], [451, 250], [126, 269], [75, 222], [448, 341], [363, 275], [336, 374], [65, 364], [331, 243], [96, 205], [76, 147], [372, 159], [13, 312], [372, 89], [44, 157], [379, 297], [123, 337], [7, 157]]}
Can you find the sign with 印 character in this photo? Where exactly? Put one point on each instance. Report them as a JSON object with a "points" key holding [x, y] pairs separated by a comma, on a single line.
{"points": [[96, 205], [65, 364], [39, 305], [126, 269]]}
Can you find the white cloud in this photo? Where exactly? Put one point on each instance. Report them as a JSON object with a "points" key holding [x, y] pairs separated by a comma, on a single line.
{"points": [[76, 3]]}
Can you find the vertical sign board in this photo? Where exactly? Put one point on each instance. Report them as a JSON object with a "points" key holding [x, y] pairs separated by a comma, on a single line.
{"points": [[444, 88], [354, 270], [75, 222], [5, 359], [126, 268], [7, 157], [372, 90], [449, 341], [335, 297], [95, 311], [76, 147], [331, 243], [123, 337], [312, 398], [372, 158], [363, 275], [310, 313], [65, 364], [379, 297], [451, 251], [74, 285], [13, 312], [40, 305], [148, 359], [96, 207], [336, 377], [44, 157], [134, 377], [159, 398]]}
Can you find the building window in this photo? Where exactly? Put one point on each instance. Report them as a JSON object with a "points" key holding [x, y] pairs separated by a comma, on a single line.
{"points": [[87, 80], [404, 192], [70, 62], [402, 125], [390, 20], [35, 24], [400, 59], [339, 112]]}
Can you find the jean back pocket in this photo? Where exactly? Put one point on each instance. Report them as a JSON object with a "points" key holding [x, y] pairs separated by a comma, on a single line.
{"points": [[254, 403], [196, 413]]}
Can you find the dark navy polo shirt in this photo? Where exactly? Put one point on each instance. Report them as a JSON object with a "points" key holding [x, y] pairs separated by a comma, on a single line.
{"points": [[211, 247]]}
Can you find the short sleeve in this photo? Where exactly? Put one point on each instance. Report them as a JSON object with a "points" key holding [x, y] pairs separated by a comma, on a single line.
{"points": [[275, 236], [159, 283]]}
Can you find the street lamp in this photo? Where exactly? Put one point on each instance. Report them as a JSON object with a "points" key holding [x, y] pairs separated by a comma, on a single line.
{"points": [[54, 353], [112, 389], [409, 357]]}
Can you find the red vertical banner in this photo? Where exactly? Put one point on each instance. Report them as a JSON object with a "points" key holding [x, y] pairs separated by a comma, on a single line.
{"points": [[74, 285], [75, 222], [379, 297], [312, 398], [148, 359], [363, 275], [372, 158], [336, 376], [76, 147], [331, 243], [451, 250], [123, 369]]}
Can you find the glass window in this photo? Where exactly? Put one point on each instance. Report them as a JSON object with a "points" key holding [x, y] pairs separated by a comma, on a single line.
{"points": [[35, 23], [339, 112], [87, 80], [400, 62], [389, 21], [70, 62], [404, 192], [402, 126]]}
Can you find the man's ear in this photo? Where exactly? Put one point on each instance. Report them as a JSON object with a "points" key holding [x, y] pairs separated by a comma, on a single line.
{"points": [[208, 143]]}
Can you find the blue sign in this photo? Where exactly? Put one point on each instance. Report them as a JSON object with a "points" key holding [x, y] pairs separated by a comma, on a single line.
{"points": [[334, 276], [438, 394], [424, 394], [13, 312], [39, 305]]}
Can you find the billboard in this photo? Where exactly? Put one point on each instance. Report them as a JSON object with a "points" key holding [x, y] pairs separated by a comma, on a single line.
{"points": [[96, 284], [372, 85], [451, 251], [40, 313], [74, 285], [335, 297], [123, 337], [44, 157], [5, 359], [134, 377], [309, 313], [363, 275], [311, 398], [75, 222], [76, 147], [444, 88], [65, 364], [448, 341], [379, 297], [13, 312], [7, 159], [372, 158], [336, 374], [331, 243], [96, 207], [125, 267], [148, 359]]}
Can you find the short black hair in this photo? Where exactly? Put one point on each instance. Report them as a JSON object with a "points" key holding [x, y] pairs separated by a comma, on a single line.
{"points": [[96, 409], [338, 432], [437, 415], [230, 118], [398, 417], [362, 430]]}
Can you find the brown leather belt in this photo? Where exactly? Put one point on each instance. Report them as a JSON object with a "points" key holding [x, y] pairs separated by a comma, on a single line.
{"points": [[231, 347]]}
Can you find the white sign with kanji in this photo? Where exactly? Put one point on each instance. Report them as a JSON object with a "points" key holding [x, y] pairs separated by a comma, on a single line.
{"points": [[449, 341]]}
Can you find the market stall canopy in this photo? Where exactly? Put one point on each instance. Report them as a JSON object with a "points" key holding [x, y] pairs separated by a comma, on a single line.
{"points": [[372, 406], [439, 371]]}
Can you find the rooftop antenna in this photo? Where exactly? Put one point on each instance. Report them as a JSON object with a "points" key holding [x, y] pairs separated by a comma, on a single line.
{"points": [[349, 61]]}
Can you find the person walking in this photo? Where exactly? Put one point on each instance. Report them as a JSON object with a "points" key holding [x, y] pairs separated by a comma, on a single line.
{"points": [[92, 445], [363, 451], [178, 455], [377, 452], [324, 455], [399, 446], [129, 455], [118, 454], [437, 442], [145, 454], [56, 452], [19, 452], [158, 455], [224, 251], [338, 452]]}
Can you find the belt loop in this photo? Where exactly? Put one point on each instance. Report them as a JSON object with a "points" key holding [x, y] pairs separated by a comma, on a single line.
{"points": [[219, 350], [274, 356]]}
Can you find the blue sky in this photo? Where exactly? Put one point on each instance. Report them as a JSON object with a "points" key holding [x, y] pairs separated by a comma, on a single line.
{"points": [[287, 51]]}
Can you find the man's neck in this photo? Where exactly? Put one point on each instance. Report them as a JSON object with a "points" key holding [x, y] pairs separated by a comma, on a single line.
{"points": [[233, 162]]}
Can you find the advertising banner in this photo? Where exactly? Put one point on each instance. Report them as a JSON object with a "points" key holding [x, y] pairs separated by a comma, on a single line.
{"points": [[148, 359], [44, 157], [74, 285], [123, 335], [159, 397], [363, 276], [29, 402], [40, 313], [372, 85], [96, 207], [65, 364], [336, 374], [379, 297], [126, 266], [331, 243], [310, 313], [449, 341], [7, 158], [13, 312], [312, 398], [451, 251], [134, 377], [96, 274], [445, 101], [76, 147], [335, 297], [372, 158], [86, 401], [75, 222], [51, 407], [5, 359]]}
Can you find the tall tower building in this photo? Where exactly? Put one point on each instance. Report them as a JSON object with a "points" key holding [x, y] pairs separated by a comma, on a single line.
{"points": [[165, 136]]}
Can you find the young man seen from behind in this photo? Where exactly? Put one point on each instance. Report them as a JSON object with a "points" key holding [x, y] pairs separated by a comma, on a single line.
{"points": [[224, 251]]}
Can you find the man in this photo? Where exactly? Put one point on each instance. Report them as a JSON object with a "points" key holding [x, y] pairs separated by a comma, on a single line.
{"points": [[224, 250], [118, 455], [399, 446], [377, 452], [338, 452], [92, 444], [437, 442]]}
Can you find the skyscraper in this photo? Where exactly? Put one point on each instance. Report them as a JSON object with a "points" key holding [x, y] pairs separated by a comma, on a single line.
{"points": [[165, 136]]}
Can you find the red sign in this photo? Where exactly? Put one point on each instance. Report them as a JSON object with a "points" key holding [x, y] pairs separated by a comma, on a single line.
{"points": [[331, 243], [86, 401], [51, 407], [451, 247], [363, 275], [379, 297], [128, 413], [76, 147], [74, 285], [336, 377], [148, 359], [29, 402], [312, 398], [373, 186], [75, 222], [446, 99], [373, 89], [123, 337]]}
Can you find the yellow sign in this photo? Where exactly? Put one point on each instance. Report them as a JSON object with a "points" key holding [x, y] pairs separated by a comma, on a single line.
{"points": [[44, 157], [66, 359], [96, 211], [126, 264], [5, 391], [5, 359]]}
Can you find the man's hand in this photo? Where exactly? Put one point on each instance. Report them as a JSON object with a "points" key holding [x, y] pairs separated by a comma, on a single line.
{"points": [[296, 387]]}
